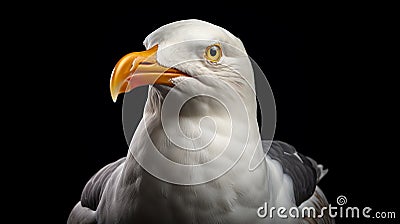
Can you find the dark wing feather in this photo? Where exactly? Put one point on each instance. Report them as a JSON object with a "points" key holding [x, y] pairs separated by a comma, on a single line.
{"points": [[93, 190], [303, 170]]}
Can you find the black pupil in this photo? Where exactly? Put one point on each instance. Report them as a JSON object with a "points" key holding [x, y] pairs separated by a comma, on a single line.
{"points": [[213, 51]]}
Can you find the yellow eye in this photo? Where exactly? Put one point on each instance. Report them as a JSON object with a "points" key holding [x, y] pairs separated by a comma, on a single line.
{"points": [[213, 53]]}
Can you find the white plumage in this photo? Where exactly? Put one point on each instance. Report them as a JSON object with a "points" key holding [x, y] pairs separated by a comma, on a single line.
{"points": [[125, 191]]}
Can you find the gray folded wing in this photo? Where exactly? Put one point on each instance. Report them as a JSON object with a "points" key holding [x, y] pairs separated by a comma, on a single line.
{"points": [[94, 188], [304, 171]]}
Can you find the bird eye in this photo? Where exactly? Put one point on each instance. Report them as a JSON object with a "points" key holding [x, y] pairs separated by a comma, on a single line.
{"points": [[213, 53]]}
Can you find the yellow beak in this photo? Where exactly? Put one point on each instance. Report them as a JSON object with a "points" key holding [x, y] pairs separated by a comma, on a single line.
{"points": [[139, 69]]}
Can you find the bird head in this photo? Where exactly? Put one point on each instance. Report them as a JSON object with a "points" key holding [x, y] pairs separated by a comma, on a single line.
{"points": [[188, 55], [195, 70]]}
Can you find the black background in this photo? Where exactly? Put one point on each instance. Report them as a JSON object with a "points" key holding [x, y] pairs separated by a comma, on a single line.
{"points": [[329, 69]]}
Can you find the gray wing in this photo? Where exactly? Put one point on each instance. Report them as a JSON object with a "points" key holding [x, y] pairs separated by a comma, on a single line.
{"points": [[304, 171], [94, 188]]}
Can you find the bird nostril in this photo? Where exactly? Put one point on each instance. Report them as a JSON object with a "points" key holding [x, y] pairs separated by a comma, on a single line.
{"points": [[145, 63]]}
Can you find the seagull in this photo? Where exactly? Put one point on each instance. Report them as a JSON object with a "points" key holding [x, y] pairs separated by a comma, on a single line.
{"points": [[197, 155]]}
